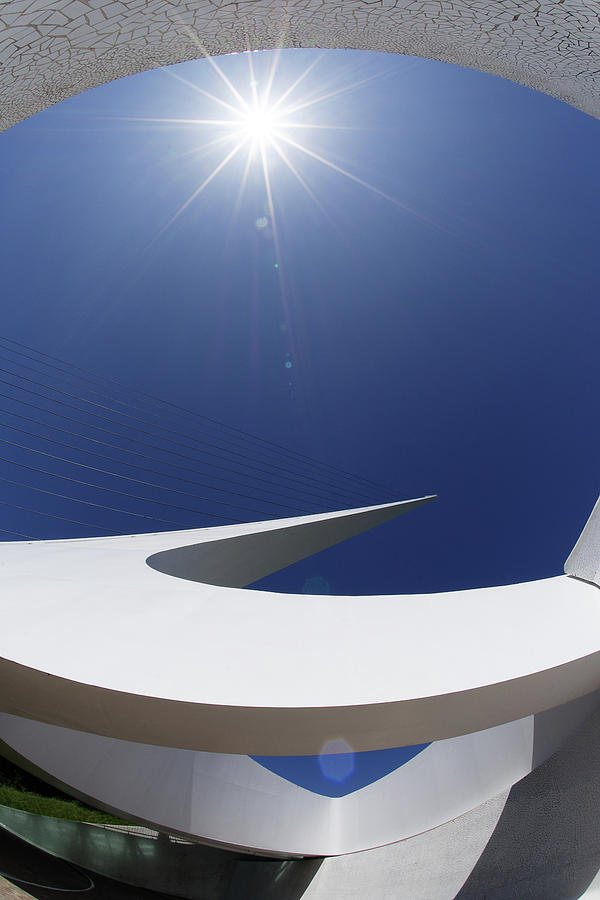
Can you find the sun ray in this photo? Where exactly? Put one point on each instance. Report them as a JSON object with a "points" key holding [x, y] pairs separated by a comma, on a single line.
{"points": [[357, 180], [315, 126], [270, 204], [271, 76], [263, 122], [275, 228], [241, 189], [204, 184], [298, 81], [311, 100], [202, 91], [275, 64], [167, 120], [217, 69], [338, 92], [300, 179], [252, 79], [200, 150]]}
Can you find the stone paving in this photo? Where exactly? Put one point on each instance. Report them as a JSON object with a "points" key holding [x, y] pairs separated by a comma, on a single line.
{"points": [[10, 892], [52, 50]]}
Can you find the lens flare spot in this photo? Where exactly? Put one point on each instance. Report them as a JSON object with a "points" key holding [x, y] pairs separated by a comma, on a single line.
{"points": [[336, 760], [316, 584], [261, 222], [288, 364]]}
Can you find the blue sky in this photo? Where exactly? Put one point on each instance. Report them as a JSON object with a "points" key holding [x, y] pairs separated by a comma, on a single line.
{"points": [[442, 342]]}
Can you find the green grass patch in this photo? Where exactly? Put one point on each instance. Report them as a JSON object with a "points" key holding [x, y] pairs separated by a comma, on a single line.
{"points": [[20, 790], [51, 806]]}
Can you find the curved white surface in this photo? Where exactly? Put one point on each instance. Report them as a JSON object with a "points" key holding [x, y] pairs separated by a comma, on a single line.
{"points": [[232, 801], [202, 666], [140, 655]]}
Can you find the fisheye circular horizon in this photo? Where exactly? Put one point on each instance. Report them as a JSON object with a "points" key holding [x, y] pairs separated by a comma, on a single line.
{"points": [[551, 47], [397, 279]]}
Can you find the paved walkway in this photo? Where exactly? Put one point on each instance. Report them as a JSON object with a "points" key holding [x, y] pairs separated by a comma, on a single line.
{"points": [[9, 892]]}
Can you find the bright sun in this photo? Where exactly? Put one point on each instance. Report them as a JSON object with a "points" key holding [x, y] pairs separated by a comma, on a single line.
{"points": [[260, 123], [266, 126]]}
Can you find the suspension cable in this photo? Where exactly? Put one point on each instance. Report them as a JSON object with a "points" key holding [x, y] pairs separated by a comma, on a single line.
{"points": [[125, 512], [29, 537], [176, 443], [127, 404], [184, 410], [123, 449], [134, 440], [39, 512], [161, 487]]}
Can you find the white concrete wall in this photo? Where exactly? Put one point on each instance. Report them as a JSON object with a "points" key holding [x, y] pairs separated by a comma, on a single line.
{"points": [[539, 842]]}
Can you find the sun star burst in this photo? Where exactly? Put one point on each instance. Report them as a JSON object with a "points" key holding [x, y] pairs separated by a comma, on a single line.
{"points": [[266, 127], [260, 123]]}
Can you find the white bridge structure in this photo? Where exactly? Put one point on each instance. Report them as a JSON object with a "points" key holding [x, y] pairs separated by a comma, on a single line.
{"points": [[165, 678], [169, 690]]}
